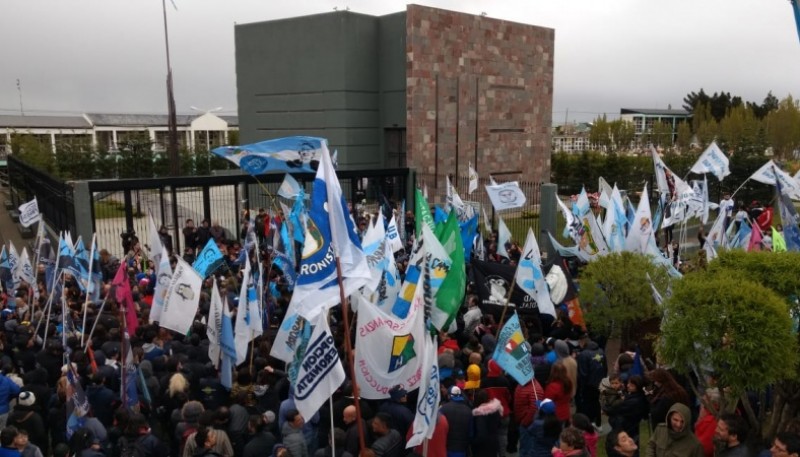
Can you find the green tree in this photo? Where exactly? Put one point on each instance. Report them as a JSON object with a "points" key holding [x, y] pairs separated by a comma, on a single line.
{"points": [[31, 150], [739, 132], [599, 134], [735, 319], [622, 134], [136, 157], [617, 293], [105, 164], [783, 128], [684, 139]]}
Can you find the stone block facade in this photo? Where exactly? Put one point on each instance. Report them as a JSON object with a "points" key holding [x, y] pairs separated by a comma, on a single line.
{"points": [[478, 90]]}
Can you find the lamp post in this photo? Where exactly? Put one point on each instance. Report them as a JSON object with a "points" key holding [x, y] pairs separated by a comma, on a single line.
{"points": [[172, 143]]}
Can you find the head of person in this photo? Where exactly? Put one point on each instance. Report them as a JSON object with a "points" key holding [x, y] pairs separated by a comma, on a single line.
{"points": [[349, 415], [398, 394], [583, 423], [294, 418], [635, 384], [731, 430], [615, 381], [679, 418], [7, 436], [786, 444], [205, 438], [571, 439], [21, 440], [381, 424], [621, 443]]}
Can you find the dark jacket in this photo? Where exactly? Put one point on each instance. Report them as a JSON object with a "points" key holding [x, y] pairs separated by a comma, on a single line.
{"points": [[28, 418], [388, 445], [591, 366], [486, 422], [261, 444], [459, 417], [294, 441], [402, 417], [629, 413], [666, 442]]}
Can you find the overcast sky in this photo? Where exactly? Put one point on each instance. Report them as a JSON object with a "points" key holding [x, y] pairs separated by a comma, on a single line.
{"points": [[108, 55]]}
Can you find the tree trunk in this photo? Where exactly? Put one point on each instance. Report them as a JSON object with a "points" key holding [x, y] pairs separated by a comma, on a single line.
{"points": [[778, 404]]}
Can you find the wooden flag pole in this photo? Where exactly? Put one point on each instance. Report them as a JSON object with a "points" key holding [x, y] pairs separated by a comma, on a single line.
{"points": [[349, 349], [508, 295]]}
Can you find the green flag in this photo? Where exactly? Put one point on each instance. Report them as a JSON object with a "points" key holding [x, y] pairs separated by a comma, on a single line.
{"points": [[451, 293], [778, 242], [422, 212]]}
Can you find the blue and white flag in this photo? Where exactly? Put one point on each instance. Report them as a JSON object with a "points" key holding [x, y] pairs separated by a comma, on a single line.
{"points": [[642, 229], [427, 250], [6, 274], [290, 188], [512, 353], [320, 371], [129, 370], [791, 234], [768, 173], [77, 403], [330, 233], [374, 244], [297, 218], [156, 247], [393, 236], [581, 206], [615, 222], [80, 264], [24, 270], [226, 343], [13, 263], [248, 316], [427, 410], [209, 259], [713, 161], [503, 237], [530, 276], [163, 279], [506, 196], [294, 154]]}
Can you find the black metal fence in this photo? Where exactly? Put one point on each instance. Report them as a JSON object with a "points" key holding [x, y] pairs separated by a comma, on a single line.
{"points": [[54, 196], [122, 205], [517, 220]]}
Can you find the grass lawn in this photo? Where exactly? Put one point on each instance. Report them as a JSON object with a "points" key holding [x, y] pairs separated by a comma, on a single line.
{"points": [[107, 209]]}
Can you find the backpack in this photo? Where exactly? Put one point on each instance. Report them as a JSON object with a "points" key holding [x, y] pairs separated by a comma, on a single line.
{"points": [[131, 449], [185, 436]]}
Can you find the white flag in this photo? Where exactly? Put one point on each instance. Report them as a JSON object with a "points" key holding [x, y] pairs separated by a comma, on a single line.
{"points": [[614, 223], [713, 161], [24, 270], [530, 277], [639, 235], [214, 326], [183, 297], [13, 263], [393, 236], [288, 336], [767, 173], [29, 213], [503, 237], [486, 221], [492, 181], [156, 248], [388, 348], [374, 244], [473, 179], [289, 189], [506, 196], [605, 192], [427, 410], [320, 372], [163, 280], [245, 317]]}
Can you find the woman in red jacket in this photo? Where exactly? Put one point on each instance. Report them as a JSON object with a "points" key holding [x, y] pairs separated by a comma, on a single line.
{"points": [[559, 389]]}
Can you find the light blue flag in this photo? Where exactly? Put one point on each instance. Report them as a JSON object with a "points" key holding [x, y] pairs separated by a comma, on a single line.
{"points": [[294, 154], [290, 188], [226, 371], [469, 230], [80, 264], [297, 217], [512, 353], [439, 215], [209, 259], [65, 254], [129, 371], [742, 237], [226, 339], [6, 275], [287, 247]]}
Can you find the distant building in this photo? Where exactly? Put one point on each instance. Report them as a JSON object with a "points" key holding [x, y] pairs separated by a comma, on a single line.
{"points": [[644, 119], [109, 130], [425, 88], [571, 138]]}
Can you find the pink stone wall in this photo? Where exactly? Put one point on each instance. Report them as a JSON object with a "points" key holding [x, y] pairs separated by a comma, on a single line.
{"points": [[459, 67]]}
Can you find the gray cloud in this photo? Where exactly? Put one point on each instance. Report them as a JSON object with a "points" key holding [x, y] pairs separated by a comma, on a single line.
{"points": [[108, 55]]}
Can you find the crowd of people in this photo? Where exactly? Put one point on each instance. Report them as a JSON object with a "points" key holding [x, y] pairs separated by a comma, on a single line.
{"points": [[182, 409]]}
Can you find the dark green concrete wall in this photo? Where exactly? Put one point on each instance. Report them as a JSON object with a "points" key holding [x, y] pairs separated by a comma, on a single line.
{"points": [[322, 75]]}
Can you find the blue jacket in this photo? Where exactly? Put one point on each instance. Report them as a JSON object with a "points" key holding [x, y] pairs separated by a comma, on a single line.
{"points": [[8, 390]]}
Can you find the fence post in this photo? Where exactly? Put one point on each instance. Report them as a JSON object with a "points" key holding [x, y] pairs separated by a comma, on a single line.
{"points": [[547, 216], [82, 203]]}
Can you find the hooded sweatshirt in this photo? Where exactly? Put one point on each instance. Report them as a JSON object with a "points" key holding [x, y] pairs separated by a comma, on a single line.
{"points": [[497, 386], [486, 419], [666, 442]]}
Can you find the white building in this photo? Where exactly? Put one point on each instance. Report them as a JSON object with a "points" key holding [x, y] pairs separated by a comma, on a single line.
{"points": [[109, 130], [571, 138]]}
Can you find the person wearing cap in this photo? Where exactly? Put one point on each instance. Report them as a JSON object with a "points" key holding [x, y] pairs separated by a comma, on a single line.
{"points": [[396, 407], [473, 379], [8, 390], [459, 419], [545, 429], [25, 416]]}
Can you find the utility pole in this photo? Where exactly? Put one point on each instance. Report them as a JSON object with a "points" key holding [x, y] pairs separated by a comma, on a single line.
{"points": [[19, 90], [172, 142]]}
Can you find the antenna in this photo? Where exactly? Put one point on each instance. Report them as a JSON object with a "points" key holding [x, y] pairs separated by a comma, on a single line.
{"points": [[19, 89]]}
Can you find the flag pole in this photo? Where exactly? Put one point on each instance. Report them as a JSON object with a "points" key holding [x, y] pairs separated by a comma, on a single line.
{"points": [[508, 295], [102, 306], [349, 349], [88, 283]]}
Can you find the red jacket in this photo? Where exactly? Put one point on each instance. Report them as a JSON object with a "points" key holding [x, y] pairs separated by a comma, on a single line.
{"points": [[525, 398], [497, 386], [555, 391], [437, 445], [704, 430]]}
